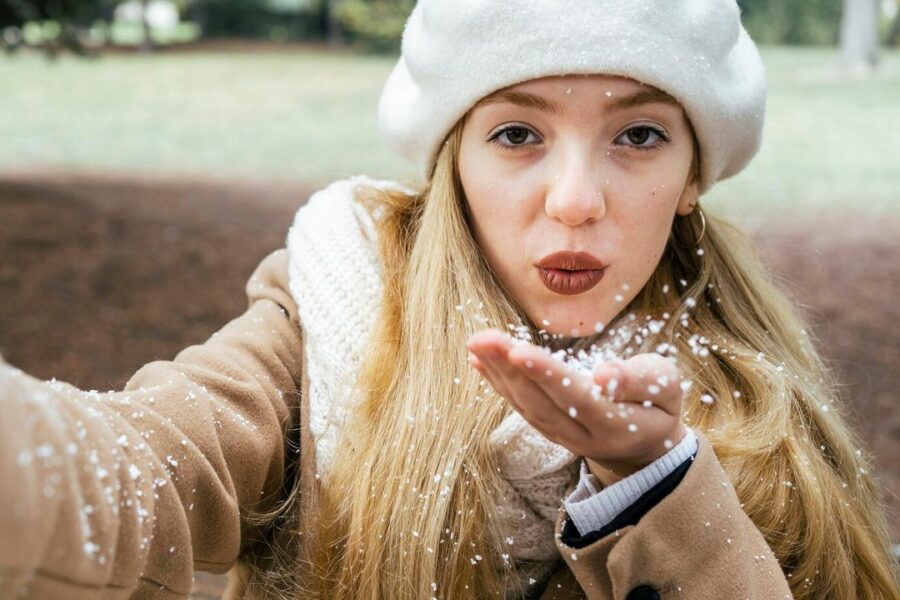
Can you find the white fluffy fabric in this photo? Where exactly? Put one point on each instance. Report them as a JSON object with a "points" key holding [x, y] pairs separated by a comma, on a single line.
{"points": [[455, 52], [332, 234]]}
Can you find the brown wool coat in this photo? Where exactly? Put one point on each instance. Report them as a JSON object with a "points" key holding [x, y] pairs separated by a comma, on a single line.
{"points": [[125, 494]]}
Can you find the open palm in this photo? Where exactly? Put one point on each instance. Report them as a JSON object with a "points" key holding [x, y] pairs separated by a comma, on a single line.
{"points": [[620, 418]]}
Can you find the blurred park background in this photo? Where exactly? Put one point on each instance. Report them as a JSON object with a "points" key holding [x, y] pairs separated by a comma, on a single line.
{"points": [[153, 151]]}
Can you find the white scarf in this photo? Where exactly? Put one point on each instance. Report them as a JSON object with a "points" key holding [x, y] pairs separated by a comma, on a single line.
{"points": [[335, 279]]}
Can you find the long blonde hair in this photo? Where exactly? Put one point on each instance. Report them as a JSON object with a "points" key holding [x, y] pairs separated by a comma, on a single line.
{"points": [[409, 509]]}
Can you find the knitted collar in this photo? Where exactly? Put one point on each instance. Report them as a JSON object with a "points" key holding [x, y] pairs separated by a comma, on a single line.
{"points": [[332, 231]]}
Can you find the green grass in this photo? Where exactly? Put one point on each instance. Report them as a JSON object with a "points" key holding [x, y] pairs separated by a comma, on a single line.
{"points": [[831, 141]]}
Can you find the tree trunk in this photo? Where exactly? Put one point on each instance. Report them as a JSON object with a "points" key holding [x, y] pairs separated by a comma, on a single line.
{"points": [[330, 23], [893, 38], [859, 35], [147, 41]]}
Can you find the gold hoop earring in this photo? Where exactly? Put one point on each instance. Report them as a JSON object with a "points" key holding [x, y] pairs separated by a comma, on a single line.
{"points": [[702, 227]]}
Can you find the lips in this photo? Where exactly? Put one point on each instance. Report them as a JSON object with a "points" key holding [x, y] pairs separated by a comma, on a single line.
{"points": [[570, 273]]}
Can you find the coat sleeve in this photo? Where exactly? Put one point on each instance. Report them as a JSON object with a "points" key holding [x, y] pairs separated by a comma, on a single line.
{"points": [[696, 543], [124, 494]]}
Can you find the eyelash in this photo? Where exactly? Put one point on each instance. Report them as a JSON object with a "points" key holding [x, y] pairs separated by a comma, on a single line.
{"points": [[663, 138]]}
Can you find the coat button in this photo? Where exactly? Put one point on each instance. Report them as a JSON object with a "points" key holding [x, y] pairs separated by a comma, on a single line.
{"points": [[643, 592]]}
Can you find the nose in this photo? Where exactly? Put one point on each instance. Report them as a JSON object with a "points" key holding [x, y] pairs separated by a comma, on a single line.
{"points": [[573, 194]]}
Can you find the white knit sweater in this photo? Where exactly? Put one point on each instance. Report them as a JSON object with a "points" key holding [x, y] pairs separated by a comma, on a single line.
{"points": [[333, 233]]}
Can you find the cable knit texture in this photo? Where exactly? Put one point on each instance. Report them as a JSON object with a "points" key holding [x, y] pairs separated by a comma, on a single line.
{"points": [[334, 232]]}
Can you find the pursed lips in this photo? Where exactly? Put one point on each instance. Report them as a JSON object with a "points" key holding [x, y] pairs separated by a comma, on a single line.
{"points": [[569, 273]]}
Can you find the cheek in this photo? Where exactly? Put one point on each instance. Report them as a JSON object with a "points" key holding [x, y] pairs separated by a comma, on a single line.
{"points": [[496, 205], [645, 232], [497, 226]]}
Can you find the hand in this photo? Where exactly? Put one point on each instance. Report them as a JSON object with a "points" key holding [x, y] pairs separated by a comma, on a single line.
{"points": [[613, 418]]}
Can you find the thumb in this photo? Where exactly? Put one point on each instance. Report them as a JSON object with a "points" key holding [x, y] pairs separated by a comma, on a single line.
{"points": [[645, 377], [612, 378]]}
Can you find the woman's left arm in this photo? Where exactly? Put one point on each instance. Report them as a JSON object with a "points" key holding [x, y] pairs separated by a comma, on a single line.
{"points": [[695, 542], [688, 535]]}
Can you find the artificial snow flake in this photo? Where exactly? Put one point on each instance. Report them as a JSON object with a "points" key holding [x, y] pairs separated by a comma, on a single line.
{"points": [[612, 385]]}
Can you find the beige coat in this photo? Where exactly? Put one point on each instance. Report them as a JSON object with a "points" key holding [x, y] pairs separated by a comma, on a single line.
{"points": [[125, 494]]}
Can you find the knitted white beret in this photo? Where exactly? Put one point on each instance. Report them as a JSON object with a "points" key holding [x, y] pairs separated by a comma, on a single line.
{"points": [[455, 52]]}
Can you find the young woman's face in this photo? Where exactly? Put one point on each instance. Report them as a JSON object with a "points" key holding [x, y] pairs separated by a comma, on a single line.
{"points": [[593, 165]]}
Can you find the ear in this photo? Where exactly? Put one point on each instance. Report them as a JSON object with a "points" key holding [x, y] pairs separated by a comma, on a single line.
{"points": [[689, 198]]}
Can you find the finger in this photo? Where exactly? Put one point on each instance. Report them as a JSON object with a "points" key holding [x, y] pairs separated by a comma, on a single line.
{"points": [[493, 375], [476, 364], [565, 387], [489, 340], [610, 377], [537, 408], [488, 345], [619, 429], [649, 379]]}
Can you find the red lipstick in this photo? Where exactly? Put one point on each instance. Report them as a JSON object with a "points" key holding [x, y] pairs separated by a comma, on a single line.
{"points": [[570, 273]]}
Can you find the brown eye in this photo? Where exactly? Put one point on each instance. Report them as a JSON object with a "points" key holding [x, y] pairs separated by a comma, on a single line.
{"points": [[638, 135], [516, 135], [637, 138]]}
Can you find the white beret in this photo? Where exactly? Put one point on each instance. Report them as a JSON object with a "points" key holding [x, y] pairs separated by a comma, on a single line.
{"points": [[455, 52]]}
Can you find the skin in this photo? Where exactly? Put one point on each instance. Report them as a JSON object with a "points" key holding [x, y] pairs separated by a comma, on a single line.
{"points": [[583, 176]]}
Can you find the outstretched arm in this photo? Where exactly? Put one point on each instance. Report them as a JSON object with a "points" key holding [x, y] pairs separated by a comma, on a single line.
{"points": [[129, 492]]}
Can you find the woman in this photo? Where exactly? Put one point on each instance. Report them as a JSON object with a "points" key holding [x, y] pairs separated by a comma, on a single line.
{"points": [[370, 429]]}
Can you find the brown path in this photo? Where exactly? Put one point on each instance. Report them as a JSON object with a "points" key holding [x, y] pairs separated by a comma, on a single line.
{"points": [[99, 276]]}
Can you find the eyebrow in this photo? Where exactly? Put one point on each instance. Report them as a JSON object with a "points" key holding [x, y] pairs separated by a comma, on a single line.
{"points": [[528, 100]]}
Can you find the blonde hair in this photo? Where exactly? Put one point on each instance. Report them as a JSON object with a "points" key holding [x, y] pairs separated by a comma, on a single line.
{"points": [[411, 501]]}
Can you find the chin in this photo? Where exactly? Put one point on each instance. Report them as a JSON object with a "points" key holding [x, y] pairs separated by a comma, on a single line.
{"points": [[567, 324]]}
